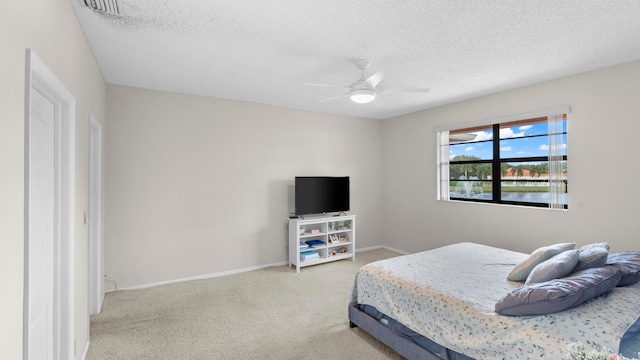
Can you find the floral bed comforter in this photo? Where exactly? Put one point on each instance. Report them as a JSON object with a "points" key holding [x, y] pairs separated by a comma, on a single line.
{"points": [[448, 295]]}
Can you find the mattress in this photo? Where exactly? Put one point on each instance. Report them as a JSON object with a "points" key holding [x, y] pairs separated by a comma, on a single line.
{"points": [[448, 295]]}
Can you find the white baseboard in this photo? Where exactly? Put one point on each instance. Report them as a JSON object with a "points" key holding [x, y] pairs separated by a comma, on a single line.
{"points": [[382, 247], [202, 277], [396, 250], [86, 349], [238, 271], [376, 247]]}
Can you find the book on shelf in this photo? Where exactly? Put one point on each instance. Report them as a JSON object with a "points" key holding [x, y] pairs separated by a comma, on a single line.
{"points": [[309, 255], [304, 246], [313, 243]]}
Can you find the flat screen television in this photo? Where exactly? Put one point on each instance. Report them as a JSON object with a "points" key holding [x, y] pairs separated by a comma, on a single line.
{"points": [[321, 194]]}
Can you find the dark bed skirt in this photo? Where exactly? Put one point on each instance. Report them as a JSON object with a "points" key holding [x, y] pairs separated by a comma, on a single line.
{"points": [[401, 339]]}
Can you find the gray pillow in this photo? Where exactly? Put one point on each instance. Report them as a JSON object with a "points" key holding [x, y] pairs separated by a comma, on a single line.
{"points": [[558, 266], [592, 255], [560, 294], [521, 271], [628, 263]]}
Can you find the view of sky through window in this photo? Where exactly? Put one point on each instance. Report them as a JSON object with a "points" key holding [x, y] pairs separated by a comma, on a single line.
{"points": [[516, 142]]}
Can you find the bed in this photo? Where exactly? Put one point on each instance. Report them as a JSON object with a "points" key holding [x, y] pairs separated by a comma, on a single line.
{"points": [[442, 303]]}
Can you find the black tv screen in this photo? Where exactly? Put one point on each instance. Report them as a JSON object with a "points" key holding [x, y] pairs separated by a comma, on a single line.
{"points": [[321, 194]]}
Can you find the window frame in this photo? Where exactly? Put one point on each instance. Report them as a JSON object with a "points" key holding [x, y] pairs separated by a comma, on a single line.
{"points": [[555, 181]]}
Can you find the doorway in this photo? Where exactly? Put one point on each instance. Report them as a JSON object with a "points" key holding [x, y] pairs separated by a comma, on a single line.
{"points": [[49, 209], [96, 284]]}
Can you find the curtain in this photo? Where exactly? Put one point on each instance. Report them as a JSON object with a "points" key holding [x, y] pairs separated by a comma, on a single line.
{"points": [[556, 168], [443, 164]]}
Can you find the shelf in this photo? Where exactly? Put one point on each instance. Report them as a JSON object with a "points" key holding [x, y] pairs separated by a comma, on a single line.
{"points": [[327, 227], [309, 235], [340, 256], [311, 262], [315, 247], [323, 260], [338, 244]]}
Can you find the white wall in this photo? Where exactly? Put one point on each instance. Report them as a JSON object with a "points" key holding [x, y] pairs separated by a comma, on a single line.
{"points": [[603, 131], [198, 186], [51, 29]]}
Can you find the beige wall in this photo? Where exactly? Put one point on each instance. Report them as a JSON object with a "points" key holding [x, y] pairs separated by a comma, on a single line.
{"points": [[50, 28], [199, 186], [602, 147]]}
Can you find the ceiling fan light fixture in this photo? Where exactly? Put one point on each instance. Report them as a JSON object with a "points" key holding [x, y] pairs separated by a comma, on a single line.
{"points": [[362, 96]]}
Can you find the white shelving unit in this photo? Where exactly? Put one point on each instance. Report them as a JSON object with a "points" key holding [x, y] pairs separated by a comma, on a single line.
{"points": [[342, 229]]}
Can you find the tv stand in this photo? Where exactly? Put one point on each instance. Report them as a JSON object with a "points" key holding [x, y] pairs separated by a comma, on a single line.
{"points": [[342, 228]]}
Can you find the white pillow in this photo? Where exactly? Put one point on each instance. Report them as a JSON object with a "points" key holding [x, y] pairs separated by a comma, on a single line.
{"points": [[557, 267], [592, 255], [521, 271]]}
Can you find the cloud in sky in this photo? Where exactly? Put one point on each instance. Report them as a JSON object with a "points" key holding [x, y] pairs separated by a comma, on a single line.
{"points": [[505, 148], [545, 147], [483, 135], [525, 127], [508, 133], [470, 148]]}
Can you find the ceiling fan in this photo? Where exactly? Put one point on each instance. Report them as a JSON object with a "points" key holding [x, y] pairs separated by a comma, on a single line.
{"points": [[365, 90]]}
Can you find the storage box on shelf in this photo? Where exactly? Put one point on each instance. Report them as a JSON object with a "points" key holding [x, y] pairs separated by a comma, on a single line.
{"points": [[331, 237]]}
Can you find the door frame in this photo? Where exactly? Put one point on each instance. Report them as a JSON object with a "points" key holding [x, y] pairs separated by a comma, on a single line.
{"points": [[40, 78], [94, 217]]}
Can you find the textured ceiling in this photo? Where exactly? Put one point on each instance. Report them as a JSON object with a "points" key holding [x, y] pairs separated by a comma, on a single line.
{"points": [[264, 51]]}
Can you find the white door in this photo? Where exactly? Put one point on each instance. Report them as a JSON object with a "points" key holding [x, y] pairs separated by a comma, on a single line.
{"points": [[41, 227], [49, 229]]}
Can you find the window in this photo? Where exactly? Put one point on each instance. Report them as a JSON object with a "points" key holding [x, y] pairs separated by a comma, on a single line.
{"points": [[515, 160]]}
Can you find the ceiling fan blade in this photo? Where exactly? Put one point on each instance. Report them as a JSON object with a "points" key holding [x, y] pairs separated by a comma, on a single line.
{"points": [[334, 97], [375, 79], [403, 89], [326, 85]]}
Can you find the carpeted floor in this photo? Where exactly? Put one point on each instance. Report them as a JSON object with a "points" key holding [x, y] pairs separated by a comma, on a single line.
{"points": [[272, 313]]}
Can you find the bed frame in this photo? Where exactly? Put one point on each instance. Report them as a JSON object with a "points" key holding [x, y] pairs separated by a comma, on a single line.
{"points": [[374, 283], [401, 345]]}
